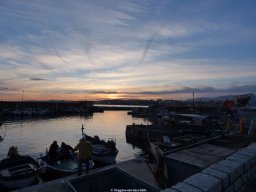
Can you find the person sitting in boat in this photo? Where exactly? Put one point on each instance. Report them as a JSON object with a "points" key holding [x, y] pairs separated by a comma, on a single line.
{"points": [[66, 151], [53, 152], [85, 154], [13, 152], [111, 145]]}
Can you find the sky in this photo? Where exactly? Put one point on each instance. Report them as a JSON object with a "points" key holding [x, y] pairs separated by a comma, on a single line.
{"points": [[126, 49]]}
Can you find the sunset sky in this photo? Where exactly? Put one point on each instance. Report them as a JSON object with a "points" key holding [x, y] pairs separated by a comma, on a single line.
{"points": [[137, 49]]}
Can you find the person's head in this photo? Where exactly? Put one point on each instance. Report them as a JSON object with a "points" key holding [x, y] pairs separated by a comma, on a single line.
{"points": [[13, 151], [54, 143], [63, 144]]}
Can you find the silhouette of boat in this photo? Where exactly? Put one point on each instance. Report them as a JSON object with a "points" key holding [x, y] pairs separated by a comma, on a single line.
{"points": [[18, 171]]}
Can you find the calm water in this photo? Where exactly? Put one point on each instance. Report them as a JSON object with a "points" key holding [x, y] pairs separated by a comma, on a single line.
{"points": [[34, 136]]}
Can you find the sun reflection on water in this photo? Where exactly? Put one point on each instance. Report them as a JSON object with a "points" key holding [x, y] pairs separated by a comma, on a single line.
{"points": [[34, 136]]}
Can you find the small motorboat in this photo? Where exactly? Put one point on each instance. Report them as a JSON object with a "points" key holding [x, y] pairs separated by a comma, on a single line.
{"points": [[102, 151], [19, 171], [62, 167], [2, 131]]}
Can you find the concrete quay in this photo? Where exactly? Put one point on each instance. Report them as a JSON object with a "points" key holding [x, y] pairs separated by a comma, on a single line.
{"points": [[136, 167], [235, 171]]}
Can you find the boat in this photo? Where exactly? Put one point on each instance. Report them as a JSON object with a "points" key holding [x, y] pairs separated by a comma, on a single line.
{"points": [[191, 119], [63, 167], [103, 151], [19, 171], [2, 132], [165, 143]]}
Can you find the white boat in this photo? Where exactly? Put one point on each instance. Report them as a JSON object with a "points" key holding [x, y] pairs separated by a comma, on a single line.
{"points": [[63, 167], [191, 119], [18, 172], [2, 132], [103, 151]]}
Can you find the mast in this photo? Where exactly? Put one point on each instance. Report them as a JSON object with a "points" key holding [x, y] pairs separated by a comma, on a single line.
{"points": [[193, 104]]}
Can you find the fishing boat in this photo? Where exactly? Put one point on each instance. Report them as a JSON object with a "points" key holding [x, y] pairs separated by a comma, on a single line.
{"points": [[103, 151], [63, 167], [19, 171], [2, 131]]}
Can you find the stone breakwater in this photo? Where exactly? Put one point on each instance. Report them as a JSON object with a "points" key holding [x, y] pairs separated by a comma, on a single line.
{"points": [[228, 175]]}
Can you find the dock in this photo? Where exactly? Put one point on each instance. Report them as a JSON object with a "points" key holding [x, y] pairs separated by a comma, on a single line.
{"points": [[139, 168], [209, 167], [136, 167]]}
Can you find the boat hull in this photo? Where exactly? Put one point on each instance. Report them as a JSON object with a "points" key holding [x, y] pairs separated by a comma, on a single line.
{"points": [[103, 154], [108, 158], [18, 172], [102, 151], [64, 168], [20, 183]]}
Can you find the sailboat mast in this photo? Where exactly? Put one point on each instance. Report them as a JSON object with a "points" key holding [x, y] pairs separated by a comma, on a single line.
{"points": [[193, 98]]}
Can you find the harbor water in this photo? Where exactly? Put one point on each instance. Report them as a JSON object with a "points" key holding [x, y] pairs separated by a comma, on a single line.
{"points": [[33, 136]]}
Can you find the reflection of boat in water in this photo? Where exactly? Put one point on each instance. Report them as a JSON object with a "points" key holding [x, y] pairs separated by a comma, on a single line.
{"points": [[18, 171], [63, 167], [103, 151]]}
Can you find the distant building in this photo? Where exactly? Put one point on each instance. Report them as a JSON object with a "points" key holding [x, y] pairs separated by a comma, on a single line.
{"points": [[244, 100]]}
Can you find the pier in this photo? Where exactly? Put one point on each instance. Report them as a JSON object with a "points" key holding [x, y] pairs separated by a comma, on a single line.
{"points": [[207, 167], [204, 159]]}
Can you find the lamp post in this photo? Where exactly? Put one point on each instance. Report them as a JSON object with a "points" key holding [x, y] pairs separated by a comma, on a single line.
{"points": [[22, 96], [193, 99]]}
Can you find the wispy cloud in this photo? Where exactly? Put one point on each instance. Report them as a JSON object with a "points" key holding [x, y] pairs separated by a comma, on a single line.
{"points": [[162, 48], [37, 79]]}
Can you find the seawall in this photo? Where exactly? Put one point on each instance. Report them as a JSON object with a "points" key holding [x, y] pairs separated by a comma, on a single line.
{"points": [[228, 175]]}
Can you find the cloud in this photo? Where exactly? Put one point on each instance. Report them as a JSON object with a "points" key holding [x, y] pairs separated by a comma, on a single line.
{"points": [[189, 90], [157, 47], [164, 91], [37, 79]]}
